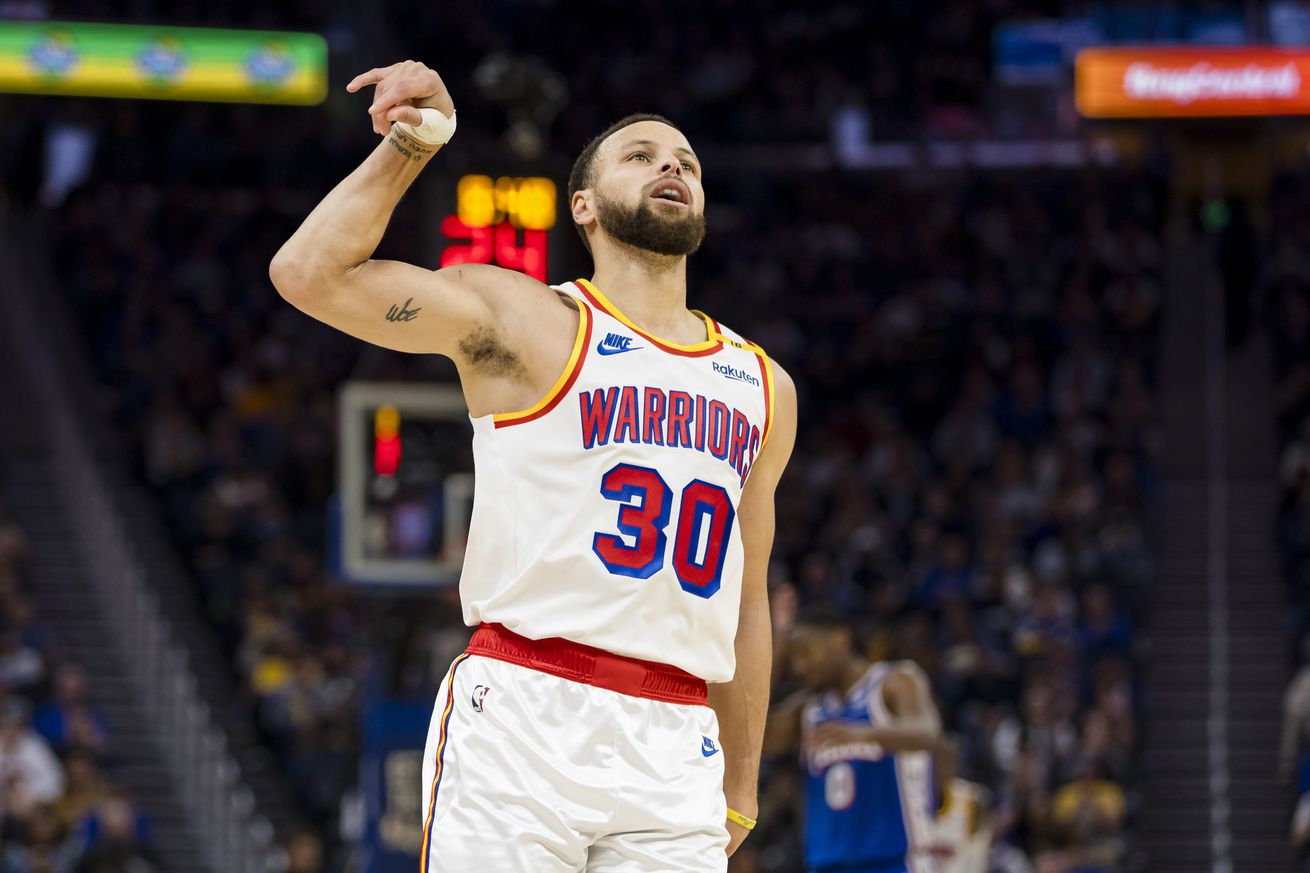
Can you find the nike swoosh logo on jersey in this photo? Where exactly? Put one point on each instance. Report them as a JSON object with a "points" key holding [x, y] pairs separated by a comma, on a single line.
{"points": [[616, 344], [606, 350], [707, 747]]}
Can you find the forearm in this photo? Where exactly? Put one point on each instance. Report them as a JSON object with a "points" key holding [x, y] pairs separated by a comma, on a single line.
{"points": [[345, 228], [742, 705], [904, 738]]}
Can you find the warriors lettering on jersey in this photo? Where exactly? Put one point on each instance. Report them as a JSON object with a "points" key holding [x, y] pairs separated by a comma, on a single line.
{"points": [[675, 419]]}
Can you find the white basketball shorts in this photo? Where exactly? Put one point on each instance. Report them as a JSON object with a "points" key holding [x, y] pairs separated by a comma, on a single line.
{"points": [[545, 756]]}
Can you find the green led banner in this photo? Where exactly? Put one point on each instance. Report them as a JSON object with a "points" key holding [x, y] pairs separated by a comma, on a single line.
{"points": [[162, 63]]}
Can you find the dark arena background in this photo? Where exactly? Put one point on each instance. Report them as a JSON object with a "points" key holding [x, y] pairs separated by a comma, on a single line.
{"points": [[1041, 274]]}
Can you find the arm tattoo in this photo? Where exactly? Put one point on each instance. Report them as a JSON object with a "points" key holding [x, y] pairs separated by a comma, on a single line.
{"points": [[403, 312], [407, 145]]}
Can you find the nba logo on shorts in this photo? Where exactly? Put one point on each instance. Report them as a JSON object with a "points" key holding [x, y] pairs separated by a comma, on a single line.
{"points": [[479, 694]]}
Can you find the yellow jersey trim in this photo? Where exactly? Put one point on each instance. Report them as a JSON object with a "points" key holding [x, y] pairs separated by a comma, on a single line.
{"points": [[712, 340], [770, 405]]}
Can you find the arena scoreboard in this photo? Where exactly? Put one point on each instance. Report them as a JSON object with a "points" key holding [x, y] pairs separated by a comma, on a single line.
{"points": [[404, 484], [503, 221]]}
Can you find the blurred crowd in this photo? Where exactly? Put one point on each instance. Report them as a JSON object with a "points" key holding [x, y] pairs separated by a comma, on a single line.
{"points": [[974, 464], [60, 808], [527, 84], [735, 70], [236, 437], [741, 70]]}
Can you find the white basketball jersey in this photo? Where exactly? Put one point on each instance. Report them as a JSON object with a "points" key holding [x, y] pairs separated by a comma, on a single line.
{"points": [[606, 514]]}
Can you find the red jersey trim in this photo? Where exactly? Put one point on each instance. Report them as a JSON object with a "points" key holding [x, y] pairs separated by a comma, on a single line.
{"points": [[706, 347]]}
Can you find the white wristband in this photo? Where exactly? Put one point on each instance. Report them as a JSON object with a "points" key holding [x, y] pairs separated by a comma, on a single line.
{"points": [[436, 129]]}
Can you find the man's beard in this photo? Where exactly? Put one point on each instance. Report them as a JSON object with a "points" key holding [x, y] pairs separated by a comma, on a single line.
{"points": [[641, 228]]}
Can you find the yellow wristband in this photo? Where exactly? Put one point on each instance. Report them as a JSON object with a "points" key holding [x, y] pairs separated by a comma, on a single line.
{"points": [[737, 818]]}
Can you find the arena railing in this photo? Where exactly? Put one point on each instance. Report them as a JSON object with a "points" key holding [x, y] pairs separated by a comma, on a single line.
{"points": [[233, 836]]}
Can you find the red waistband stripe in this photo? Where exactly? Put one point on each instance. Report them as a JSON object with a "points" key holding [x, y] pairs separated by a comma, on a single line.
{"points": [[590, 666]]}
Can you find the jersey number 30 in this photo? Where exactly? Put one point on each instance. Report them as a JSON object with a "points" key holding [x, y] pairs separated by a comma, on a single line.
{"points": [[647, 501]]}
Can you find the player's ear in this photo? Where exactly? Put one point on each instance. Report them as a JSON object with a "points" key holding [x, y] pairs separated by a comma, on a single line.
{"points": [[581, 207]]}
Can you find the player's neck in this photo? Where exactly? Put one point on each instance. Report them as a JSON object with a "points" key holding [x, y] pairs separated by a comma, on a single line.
{"points": [[650, 289], [856, 668]]}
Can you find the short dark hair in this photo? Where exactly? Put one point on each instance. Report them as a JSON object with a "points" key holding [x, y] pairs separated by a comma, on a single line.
{"points": [[583, 174]]}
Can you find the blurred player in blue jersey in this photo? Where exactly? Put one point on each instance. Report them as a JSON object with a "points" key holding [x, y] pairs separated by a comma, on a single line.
{"points": [[867, 734]]}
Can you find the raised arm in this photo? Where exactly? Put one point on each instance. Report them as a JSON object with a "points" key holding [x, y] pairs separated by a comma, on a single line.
{"points": [[483, 317]]}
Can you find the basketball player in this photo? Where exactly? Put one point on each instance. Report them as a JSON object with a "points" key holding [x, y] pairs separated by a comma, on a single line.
{"points": [[867, 734], [626, 452]]}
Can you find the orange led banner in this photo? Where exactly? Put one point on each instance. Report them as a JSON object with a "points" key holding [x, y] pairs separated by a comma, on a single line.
{"points": [[1149, 82]]}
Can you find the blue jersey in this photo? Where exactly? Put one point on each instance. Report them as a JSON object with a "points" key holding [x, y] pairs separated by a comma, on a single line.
{"points": [[864, 806]]}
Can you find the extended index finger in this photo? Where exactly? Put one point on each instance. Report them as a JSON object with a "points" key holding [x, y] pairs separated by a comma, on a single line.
{"points": [[391, 93], [372, 77]]}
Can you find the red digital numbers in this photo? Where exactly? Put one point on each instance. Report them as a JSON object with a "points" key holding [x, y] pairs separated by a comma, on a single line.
{"points": [[495, 245], [490, 217]]}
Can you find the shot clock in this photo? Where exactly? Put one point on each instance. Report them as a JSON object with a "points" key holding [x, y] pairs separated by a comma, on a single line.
{"points": [[501, 221]]}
